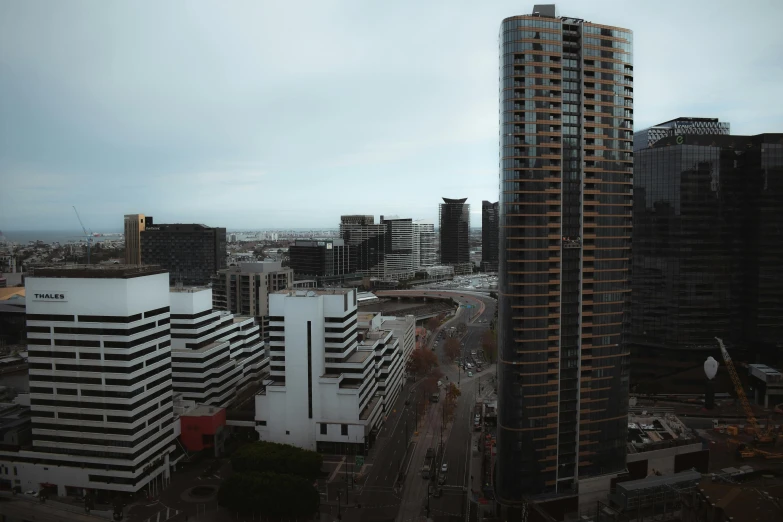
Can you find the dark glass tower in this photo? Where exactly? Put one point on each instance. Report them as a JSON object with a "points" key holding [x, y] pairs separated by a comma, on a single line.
{"points": [[566, 89], [708, 240], [191, 253], [489, 236], [455, 234]]}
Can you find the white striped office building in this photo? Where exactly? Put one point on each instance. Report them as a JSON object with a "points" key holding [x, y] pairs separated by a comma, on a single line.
{"points": [[100, 379], [214, 353]]}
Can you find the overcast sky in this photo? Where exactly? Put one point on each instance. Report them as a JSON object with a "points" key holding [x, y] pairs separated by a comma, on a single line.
{"points": [[273, 114]]}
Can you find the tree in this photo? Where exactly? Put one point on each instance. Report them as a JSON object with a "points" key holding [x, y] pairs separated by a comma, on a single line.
{"points": [[270, 494], [263, 457], [451, 349], [489, 344], [433, 324], [422, 362], [452, 392]]}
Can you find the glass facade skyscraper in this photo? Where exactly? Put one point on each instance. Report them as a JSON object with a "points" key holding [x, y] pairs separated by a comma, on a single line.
{"points": [[566, 107], [455, 234], [708, 239], [489, 236]]}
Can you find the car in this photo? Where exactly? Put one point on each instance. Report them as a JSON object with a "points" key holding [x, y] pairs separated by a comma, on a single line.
{"points": [[470, 374], [478, 369], [441, 480], [444, 468], [438, 493], [32, 493]]}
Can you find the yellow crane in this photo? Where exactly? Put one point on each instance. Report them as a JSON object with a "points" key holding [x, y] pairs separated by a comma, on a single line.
{"points": [[761, 435]]}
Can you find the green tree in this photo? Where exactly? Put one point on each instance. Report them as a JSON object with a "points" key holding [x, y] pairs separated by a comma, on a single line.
{"points": [[270, 494], [272, 457]]}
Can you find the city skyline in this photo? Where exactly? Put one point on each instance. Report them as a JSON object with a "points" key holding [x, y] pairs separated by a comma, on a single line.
{"points": [[209, 129]]}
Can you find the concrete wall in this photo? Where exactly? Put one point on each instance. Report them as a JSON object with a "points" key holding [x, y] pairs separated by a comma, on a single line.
{"points": [[594, 489], [663, 459], [191, 302]]}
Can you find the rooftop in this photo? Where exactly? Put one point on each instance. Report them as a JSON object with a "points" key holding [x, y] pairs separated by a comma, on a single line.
{"points": [[359, 356], [202, 410], [7, 293], [97, 271], [188, 289], [314, 292], [654, 481], [651, 432], [751, 504]]}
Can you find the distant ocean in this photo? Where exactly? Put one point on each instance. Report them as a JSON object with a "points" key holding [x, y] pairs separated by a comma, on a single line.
{"points": [[50, 236]]}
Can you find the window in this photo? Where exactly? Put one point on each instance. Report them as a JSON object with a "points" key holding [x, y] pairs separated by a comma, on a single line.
{"points": [[323, 428], [344, 429]]}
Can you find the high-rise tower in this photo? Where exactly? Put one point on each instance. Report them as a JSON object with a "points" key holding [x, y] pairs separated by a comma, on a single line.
{"points": [[489, 236], [134, 226], [455, 235], [566, 90]]}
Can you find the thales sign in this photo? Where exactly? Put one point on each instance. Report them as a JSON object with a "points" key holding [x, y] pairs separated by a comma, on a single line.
{"points": [[56, 297]]}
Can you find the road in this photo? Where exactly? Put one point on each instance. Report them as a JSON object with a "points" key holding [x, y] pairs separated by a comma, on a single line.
{"points": [[457, 445]]}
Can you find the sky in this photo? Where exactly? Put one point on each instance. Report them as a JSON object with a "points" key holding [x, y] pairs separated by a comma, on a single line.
{"points": [[287, 114]]}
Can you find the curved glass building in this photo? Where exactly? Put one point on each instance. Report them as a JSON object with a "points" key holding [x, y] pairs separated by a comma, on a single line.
{"points": [[566, 172]]}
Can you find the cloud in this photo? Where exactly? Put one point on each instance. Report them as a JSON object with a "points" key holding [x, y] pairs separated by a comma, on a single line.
{"points": [[253, 114]]}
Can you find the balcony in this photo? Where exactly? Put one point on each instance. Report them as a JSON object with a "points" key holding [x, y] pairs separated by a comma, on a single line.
{"points": [[571, 242]]}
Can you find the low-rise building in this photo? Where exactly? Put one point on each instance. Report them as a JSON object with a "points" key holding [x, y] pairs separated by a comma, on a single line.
{"points": [[662, 444], [331, 378], [766, 385], [214, 354]]}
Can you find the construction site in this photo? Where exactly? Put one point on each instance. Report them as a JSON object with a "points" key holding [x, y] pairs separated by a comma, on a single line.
{"points": [[696, 459]]}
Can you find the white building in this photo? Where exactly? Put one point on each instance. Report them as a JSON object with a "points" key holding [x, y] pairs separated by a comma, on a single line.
{"points": [[214, 354], [100, 380], [329, 382], [425, 244]]}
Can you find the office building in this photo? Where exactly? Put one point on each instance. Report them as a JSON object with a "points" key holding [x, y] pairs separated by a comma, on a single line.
{"points": [[322, 259], [100, 380], [679, 127], [425, 244], [455, 235], [329, 386], [392, 250], [134, 226], [191, 253], [489, 236], [214, 354], [245, 289], [565, 246], [366, 244], [708, 239]]}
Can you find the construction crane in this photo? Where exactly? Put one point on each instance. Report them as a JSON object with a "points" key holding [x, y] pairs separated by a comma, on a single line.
{"points": [[87, 234], [760, 435]]}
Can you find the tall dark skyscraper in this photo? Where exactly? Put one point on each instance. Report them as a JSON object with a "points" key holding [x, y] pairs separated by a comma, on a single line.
{"points": [[191, 253], [489, 236], [708, 240], [565, 248], [455, 234]]}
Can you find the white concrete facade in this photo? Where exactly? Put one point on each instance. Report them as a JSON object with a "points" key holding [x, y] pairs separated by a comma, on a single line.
{"points": [[214, 353], [100, 380], [328, 387]]}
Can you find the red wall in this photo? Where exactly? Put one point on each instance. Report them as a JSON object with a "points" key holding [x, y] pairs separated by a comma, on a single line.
{"points": [[194, 427]]}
